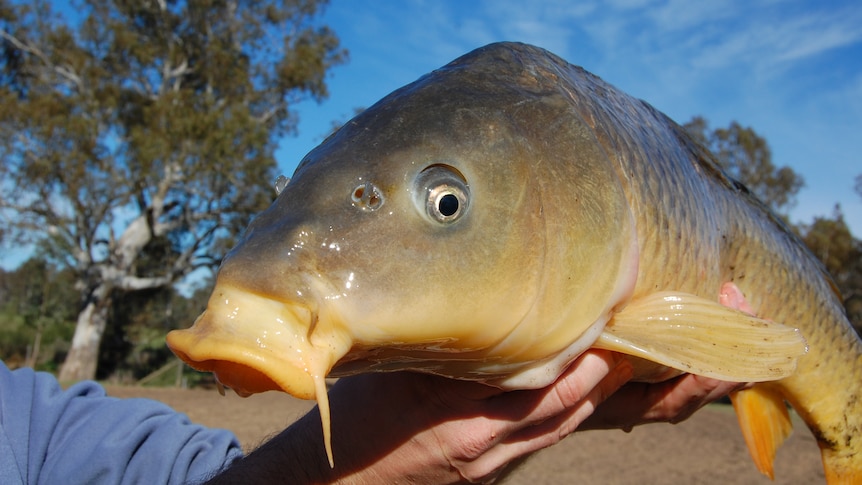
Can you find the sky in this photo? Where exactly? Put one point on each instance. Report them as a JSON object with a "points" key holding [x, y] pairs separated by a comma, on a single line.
{"points": [[791, 70]]}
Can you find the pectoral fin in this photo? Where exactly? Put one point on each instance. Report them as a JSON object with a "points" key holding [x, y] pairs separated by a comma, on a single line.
{"points": [[703, 337], [765, 424]]}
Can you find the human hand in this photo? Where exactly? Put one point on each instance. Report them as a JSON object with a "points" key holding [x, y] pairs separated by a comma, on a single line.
{"points": [[416, 428], [452, 431]]}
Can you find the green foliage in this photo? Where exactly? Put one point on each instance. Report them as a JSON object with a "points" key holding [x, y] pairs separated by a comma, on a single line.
{"points": [[134, 345], [746, 157], [125, 125], [38, 304], [831, 241]]}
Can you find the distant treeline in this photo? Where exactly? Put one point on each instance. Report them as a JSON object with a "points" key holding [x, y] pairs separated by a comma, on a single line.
{"points": [[39, 305]]}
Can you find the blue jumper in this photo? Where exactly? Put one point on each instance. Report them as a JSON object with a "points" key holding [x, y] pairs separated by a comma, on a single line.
{"points": [[80, 435]]}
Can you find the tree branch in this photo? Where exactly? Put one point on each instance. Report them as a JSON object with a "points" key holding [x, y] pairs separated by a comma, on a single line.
{"points": [[136, 283], [63, 71]]}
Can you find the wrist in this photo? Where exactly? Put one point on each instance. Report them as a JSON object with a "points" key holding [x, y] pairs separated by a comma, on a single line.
{"points": [[293, 456]]}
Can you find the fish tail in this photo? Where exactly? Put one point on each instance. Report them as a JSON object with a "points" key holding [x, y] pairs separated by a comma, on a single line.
{"points": [[765, 424]]}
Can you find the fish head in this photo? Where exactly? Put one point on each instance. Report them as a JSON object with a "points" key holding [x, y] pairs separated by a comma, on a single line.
{"points": [[426, 235]]}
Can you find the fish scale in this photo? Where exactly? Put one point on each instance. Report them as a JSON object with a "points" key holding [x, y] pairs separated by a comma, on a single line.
{"points": [[780, 277], [585, 218]]}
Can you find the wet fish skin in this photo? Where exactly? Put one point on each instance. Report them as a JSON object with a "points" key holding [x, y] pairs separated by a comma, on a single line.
{"points": [[308, 227], [552, 155], [697, 228]]}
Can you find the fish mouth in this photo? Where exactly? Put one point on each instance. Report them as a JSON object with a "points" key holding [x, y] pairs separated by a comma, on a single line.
{"points": [[252, 344]]}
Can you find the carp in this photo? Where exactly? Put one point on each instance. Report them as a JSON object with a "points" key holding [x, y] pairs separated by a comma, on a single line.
{"points": [[499, 216]]}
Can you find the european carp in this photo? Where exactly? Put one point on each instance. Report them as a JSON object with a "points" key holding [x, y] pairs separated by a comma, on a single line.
{"points": [[499, 216]]}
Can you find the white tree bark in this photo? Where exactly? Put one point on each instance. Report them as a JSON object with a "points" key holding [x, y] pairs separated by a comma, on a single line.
{"points": [[83, 355]]}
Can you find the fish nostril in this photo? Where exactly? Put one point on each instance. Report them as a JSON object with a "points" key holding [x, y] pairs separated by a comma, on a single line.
{"points": [[367, 197]]}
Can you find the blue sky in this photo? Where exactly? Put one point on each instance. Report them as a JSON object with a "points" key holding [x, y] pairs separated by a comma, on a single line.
{"points": [[792, 70]]}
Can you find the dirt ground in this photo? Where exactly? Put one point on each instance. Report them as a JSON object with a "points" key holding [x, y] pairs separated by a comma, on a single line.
{"points": [[706, 449]]}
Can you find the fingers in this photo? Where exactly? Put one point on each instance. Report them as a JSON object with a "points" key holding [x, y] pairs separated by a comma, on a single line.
{"points": [[551, 413], [670, 401], [699, 391], [571, 405], [585, 376]]}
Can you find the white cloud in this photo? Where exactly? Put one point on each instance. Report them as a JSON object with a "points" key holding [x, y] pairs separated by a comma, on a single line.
{"points": [[677, 15], [806, 36], [764, 40]]}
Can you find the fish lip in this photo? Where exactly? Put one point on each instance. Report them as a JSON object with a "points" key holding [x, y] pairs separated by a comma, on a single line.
{"points": [[255, 343]]}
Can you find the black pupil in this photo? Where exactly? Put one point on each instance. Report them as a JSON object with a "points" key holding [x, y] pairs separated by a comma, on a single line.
{"points": [[448, 205]]}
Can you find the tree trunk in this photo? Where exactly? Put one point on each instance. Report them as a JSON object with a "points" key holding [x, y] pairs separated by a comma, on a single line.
{"points": [[33, 355], [83, 356]]}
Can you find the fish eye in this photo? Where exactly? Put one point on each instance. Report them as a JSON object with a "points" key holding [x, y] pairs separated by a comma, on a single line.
{"points": [[442, 193]]}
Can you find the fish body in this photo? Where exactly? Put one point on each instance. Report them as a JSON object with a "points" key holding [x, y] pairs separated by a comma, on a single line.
{"points": [[502, 214]]}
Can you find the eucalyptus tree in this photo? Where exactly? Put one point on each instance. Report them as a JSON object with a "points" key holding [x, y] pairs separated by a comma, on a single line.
{"points": [[830, 239], [746, 156], [129, 124]]}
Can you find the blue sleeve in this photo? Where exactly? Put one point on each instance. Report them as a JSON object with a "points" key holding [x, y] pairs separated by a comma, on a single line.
{"points": [[80, 435]]}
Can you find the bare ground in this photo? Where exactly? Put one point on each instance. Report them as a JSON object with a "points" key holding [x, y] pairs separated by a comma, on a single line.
{"points": [[706, 449]]}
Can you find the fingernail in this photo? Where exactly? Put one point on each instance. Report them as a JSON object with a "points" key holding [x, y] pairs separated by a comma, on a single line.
{"points": [[625, 369]]}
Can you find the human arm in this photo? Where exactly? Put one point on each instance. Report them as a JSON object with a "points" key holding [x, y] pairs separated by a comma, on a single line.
{"points": [[79, 435]]}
